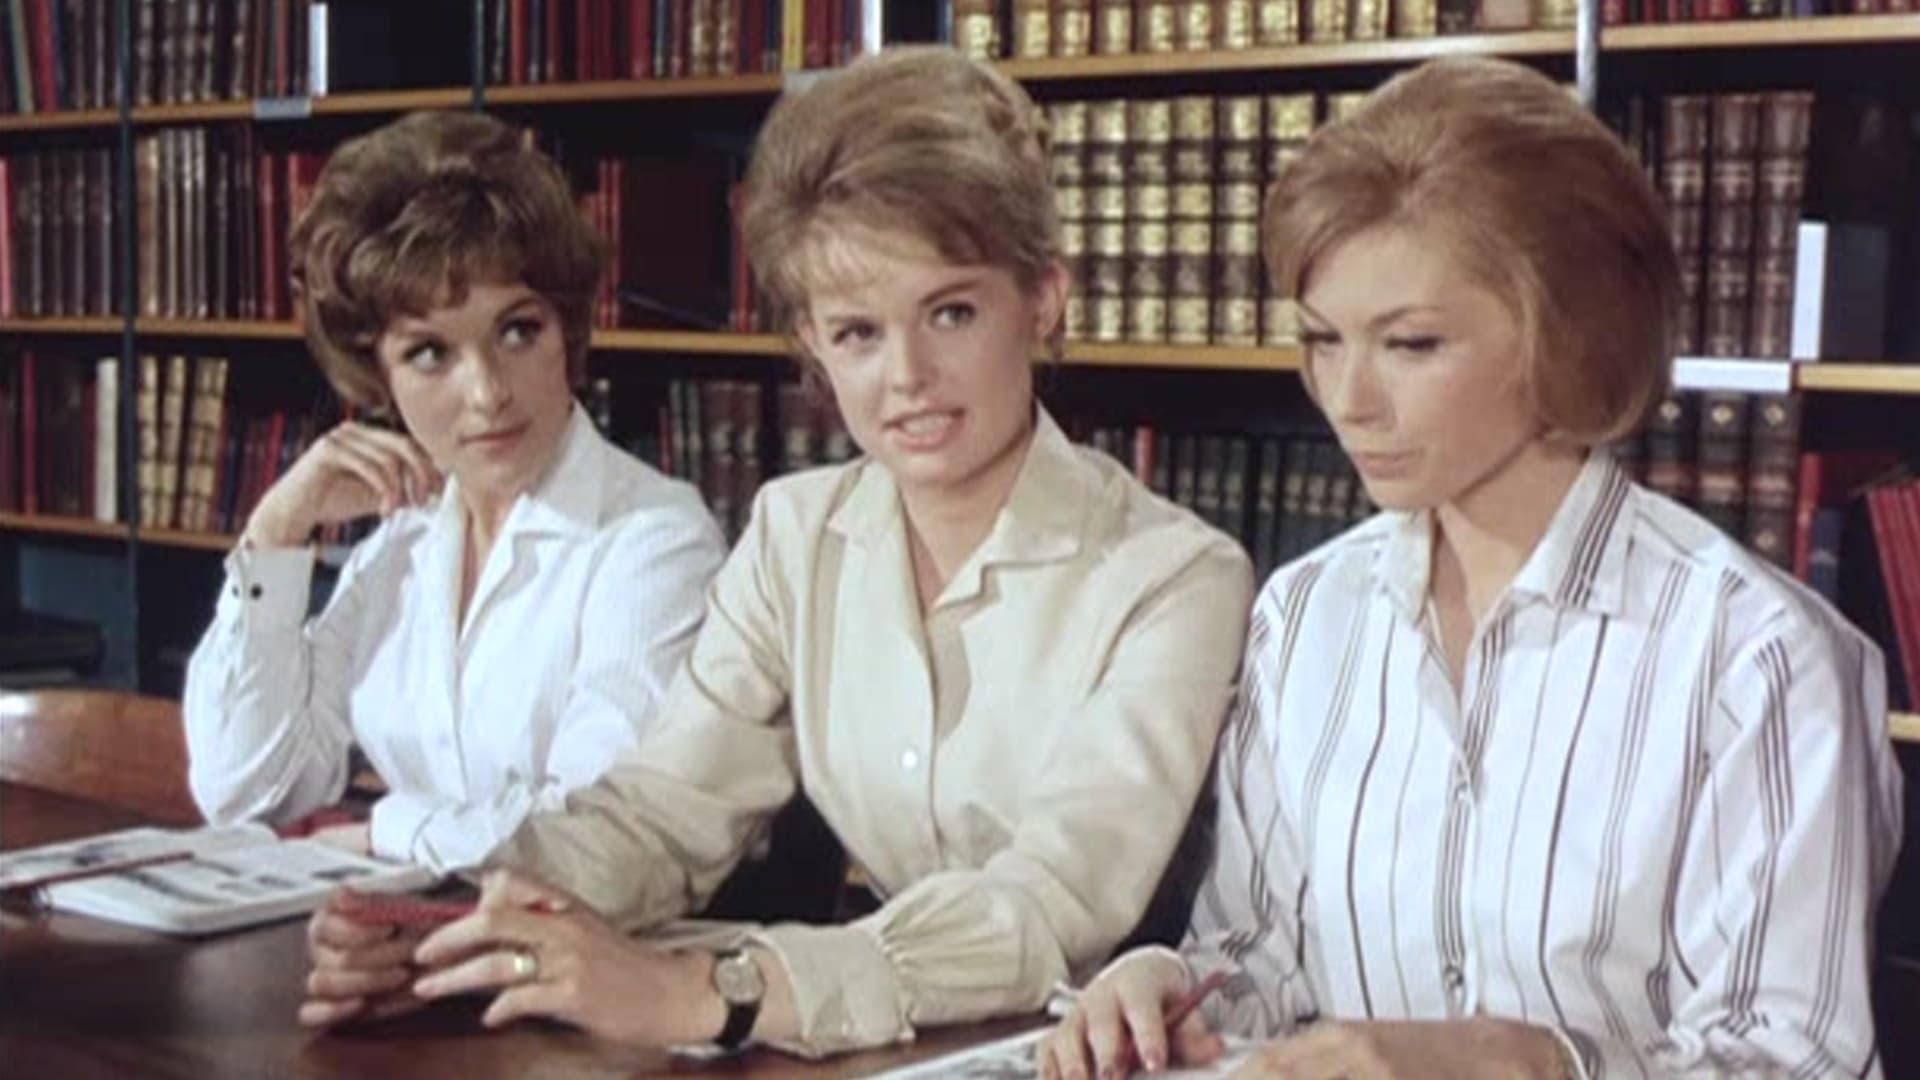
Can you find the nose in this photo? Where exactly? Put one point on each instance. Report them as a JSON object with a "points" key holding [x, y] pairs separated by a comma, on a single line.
{"points": [[487, 391], [1351, 391], [908, 362]]}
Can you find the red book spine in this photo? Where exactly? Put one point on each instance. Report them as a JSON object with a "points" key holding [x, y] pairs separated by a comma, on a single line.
{"points": [[29, 436], [753, 37], [742, 272], [681, 27], [616, 238], [1806, 502], [837, 45], [640, 39], [817, 23], [269, 219], [1903, 591], [585, 44], [555, 53], [1613, 12], [45, 86], [517, 42], [1904, 500], [6, 238]]}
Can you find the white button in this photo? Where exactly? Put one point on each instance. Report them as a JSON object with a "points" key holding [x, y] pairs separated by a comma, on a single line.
{"points": [[909, 760]]}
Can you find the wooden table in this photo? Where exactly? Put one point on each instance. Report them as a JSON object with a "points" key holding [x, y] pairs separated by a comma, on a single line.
{"points": [[79, 998]]}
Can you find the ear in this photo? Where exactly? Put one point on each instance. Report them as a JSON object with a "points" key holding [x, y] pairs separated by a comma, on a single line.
{"points": [[1050, 299]]}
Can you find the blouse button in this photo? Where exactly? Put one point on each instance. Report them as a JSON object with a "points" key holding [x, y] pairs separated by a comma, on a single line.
{"points": [[909, 760]]}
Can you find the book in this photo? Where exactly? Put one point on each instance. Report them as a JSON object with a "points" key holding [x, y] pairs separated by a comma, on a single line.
{"points": [[1683, 183], [199, 881], [1012, 1058], [1772, 469]]}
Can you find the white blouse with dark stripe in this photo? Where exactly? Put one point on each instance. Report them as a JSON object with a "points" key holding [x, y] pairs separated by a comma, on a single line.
{"points": [[1656, 816]]}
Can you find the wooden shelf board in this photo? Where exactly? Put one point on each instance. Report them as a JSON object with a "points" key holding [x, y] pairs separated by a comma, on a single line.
{"points": [[1197, 357], [1751, 33], [180, 538], [713, 86], [55, 121], [1859, 378], [83, 325], [380, 101], [1906, 727], [691, 341], [249, 329], [62, 526]]}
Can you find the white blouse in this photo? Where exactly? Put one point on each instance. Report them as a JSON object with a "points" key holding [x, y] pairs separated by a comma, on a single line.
{"points": [[1656, 815], [589, 599], [1012, 770]]}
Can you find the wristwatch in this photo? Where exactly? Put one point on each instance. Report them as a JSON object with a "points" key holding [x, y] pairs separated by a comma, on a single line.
{"points": [[737, 978]]}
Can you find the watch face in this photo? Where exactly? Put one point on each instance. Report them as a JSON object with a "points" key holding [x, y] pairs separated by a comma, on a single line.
{"points": [[738, 979]]}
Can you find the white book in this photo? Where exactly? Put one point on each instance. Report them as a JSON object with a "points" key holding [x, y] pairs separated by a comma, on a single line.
{"points": [[199, 881], [1809, 289], [106, 440]]}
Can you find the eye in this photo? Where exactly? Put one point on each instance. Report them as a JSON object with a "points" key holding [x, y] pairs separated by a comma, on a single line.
{"points": [[1318, 342], [953, 316], [854, 333], [521, 332], [428, 356], [1420, 344]]}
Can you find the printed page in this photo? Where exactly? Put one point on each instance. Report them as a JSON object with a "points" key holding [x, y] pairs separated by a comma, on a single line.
{"points": [[30, 867], [1012, 1059], [218, 890]]}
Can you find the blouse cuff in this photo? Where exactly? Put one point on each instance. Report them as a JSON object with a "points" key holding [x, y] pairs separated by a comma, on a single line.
{"points": [[395, 826], [268, 586], [846, 994]]}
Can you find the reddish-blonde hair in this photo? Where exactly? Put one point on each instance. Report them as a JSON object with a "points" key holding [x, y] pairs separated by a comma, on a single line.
{"points": [[1538, 202], [405, 218], [916, 142]]}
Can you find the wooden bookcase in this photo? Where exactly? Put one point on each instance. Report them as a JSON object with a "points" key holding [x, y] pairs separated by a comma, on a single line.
{"points": [[1690, 43]]}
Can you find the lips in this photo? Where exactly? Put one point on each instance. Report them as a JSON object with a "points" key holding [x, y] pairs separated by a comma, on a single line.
{"points": [[496, 437], [1378, 462], [925, 429]]}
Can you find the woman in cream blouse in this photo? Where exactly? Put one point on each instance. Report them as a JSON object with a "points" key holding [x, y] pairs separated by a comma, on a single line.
{"points": [[512, 624], [1535, 773], [994, 661]]}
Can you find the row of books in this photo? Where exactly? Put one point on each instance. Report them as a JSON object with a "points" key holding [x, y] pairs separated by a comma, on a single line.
{"points": [[1892, 603], [204, 457], [213, 209], [1160, 204], [1733, 170], [1031, 29], [546, 41], [64, 54]]}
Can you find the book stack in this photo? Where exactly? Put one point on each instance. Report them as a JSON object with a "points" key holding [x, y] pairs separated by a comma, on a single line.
{"points": [[1159, 201], [548, 41], [58, 436], [215, 210], [1281, 495], [1732, 169], [63, 54], [705, 284], [57, 246]]}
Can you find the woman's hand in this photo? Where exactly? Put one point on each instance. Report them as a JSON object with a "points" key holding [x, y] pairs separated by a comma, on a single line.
{"points": [[1385, 1049], [549, 955], [360, 971], [351, 472], [1121, 1019], [356, 837]]}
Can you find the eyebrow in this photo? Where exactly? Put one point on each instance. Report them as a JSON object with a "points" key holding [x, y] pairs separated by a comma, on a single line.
{"points": [[944, 291], [1382, 319]]}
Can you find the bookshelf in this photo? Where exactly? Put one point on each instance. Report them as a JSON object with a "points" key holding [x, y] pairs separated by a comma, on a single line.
{"points": [[51, 525]]}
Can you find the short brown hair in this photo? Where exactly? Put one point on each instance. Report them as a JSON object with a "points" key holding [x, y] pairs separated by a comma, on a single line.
{"points": [[1540, 201], [915, 140], [405, 218]]}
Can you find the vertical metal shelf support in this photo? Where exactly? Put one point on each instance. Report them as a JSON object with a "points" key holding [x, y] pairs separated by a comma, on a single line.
{"points": [[129, 229]]}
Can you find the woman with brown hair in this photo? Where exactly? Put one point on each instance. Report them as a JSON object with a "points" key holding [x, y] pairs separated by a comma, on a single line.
{"points": [[991, 659], [1534, 772], [512, 624]]}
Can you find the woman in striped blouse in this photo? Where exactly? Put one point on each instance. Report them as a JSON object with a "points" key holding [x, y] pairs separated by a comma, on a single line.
{"points": [[1535, 772]]}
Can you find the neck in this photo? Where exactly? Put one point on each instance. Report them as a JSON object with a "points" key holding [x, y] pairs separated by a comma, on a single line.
{"points": [[485, 516], [948, 522], [1487, 534]]}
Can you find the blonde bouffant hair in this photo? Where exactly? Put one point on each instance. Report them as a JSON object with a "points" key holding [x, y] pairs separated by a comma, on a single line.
{"points": [[917, 143], [1537, 201]]}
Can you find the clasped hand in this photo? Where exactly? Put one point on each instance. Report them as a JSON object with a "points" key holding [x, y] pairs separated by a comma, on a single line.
{"points": [[539, 951]]}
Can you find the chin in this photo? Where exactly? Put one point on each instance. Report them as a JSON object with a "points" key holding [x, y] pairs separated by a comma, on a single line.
{"points": [[1401, 496]]}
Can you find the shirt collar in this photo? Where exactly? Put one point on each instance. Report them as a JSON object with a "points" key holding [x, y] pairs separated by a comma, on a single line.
{"points": [[567, 498], [1580, 562], [1041, 521]]}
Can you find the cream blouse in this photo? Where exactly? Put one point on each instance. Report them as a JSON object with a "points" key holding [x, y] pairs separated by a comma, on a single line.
{"points": [[1012, 771]]}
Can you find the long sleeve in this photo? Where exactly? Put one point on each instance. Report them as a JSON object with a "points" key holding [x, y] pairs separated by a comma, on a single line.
{"points": [[642, 611], [1786, 863], [660, 829], [1121, 778], [266, 690], [1246, 919]]}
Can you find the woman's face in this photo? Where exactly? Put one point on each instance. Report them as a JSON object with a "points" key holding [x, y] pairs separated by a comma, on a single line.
{"points": [[482, 385], [1418, 368], [932, 363]]}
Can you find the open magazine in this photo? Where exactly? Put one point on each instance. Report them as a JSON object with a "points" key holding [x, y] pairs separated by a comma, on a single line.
{"points": [[1012, 1059], [198, 881]]}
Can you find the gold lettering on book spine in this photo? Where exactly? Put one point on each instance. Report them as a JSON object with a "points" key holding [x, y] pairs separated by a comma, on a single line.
{"points": [[1156, 32], [1195, 30], [1236, 29], [1033, 33], [1113, 28], [1277, 22]]}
